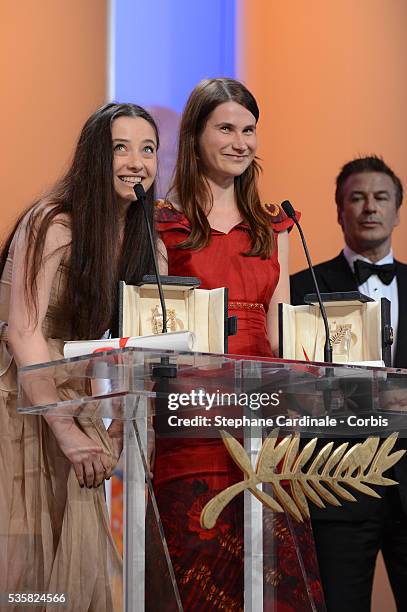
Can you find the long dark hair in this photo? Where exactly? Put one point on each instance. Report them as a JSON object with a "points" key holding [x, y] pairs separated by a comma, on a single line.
{"points": [[86, 196], [190, 183]]}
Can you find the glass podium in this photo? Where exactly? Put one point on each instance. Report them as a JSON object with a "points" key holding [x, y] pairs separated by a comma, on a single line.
{"points": [[195, 536]]}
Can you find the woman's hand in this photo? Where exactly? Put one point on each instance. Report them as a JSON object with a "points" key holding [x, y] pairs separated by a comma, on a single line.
{"points": [[115, 433], [91, 464]]}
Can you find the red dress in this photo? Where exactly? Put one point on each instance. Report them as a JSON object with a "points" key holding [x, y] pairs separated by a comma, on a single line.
{"points": [[209, 564]]}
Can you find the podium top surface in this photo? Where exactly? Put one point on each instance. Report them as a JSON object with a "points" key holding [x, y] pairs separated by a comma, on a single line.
{"points": [[303, 396]]}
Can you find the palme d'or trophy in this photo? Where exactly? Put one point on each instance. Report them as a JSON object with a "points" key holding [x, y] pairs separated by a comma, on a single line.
{"points": [[329, 472]]}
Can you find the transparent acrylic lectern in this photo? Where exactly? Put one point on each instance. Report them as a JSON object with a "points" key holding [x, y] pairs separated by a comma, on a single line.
{"points": [[249, 409]]}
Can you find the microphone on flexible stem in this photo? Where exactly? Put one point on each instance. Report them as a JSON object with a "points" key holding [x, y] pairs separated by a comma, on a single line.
{"points": [[165, 369], [290, 212], [141, 197]]}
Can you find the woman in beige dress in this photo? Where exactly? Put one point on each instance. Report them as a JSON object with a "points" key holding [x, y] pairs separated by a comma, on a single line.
{"points": [[59, 272]]}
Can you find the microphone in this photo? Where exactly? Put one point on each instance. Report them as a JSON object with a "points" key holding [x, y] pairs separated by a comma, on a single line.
{"points": [[290, 212], [164, 370], [141, 197]]}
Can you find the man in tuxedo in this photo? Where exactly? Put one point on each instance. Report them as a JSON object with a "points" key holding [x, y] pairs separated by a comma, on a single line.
{"points": [[368, 199]]}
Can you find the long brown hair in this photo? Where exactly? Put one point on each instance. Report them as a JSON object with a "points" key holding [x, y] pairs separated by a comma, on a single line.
{"points": [[190, 184], [86, 196]]}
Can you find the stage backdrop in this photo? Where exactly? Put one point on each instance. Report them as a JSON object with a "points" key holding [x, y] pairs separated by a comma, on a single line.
{"points": [[160, 50], [53, 75], [330, 81]]}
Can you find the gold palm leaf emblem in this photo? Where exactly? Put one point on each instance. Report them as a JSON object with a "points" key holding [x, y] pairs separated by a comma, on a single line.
{"points": [[328, 473]]}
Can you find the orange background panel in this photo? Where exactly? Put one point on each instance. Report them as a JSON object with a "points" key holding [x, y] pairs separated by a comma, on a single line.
{"points": [[53, 72], [329, 78]]}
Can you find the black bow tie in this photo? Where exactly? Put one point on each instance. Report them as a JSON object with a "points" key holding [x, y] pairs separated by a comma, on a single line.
{"points": [[364, 269]]}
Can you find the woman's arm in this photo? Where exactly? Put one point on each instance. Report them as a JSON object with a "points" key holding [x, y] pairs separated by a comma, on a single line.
{"points": [[162, 257], [25, 335], [28, 346], [281, 293]]}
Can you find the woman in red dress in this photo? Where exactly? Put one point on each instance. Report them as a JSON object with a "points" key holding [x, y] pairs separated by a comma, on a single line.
{"points": [[214, 227]]}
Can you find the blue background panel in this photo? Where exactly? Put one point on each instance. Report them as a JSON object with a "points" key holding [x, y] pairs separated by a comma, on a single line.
{"points": [[163, 48]]}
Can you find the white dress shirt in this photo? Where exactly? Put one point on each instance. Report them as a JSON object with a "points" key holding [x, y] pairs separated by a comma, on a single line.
{"points": [[375, 289]]}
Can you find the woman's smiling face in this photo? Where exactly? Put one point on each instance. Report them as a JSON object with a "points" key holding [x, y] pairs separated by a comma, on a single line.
{"points": [[228, 143], [134, 156]]}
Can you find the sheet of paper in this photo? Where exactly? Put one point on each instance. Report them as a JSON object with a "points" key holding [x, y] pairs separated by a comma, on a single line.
{"points": [[175, 341]]}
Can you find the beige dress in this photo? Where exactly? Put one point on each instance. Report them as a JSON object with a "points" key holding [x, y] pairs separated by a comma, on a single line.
{"points": [[54, 536]]}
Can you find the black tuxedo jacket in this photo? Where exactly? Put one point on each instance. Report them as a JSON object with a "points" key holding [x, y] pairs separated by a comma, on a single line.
{"points": [[336, 275]]}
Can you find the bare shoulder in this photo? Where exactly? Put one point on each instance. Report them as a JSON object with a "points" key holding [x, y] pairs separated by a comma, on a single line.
{"points": [[58, 232]]}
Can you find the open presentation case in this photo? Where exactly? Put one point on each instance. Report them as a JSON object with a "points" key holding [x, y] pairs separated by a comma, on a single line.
{"points": [[360, 328], [202, 311]]}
